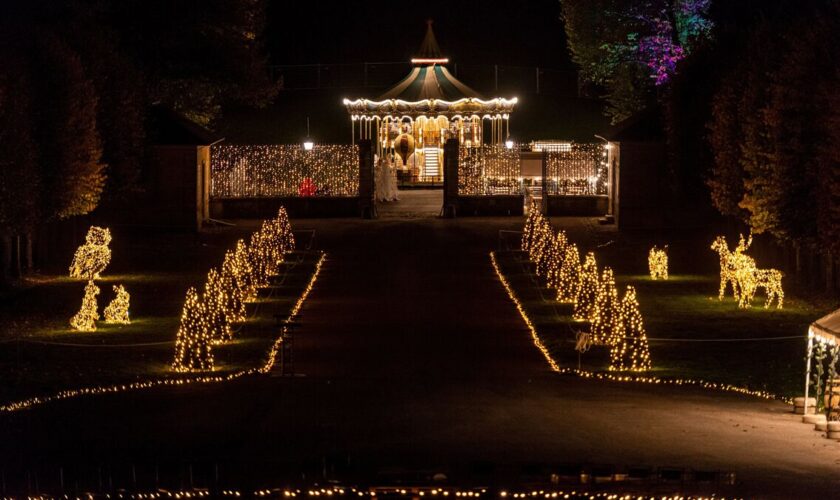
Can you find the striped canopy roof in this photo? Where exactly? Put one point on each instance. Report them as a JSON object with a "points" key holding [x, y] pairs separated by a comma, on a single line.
{"points": [[430, 82]]}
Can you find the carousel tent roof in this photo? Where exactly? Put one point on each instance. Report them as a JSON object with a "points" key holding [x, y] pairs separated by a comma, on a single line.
{"points": [[827, 328], [430, 82]]}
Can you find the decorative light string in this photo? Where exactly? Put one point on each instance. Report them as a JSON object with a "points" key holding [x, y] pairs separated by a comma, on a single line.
{"points": [[616, 377], [248, 171], [587, 289], [85, 319], [172, 381]]}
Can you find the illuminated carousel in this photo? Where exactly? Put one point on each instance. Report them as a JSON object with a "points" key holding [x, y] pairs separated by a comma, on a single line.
{"points": [[410, 122]]}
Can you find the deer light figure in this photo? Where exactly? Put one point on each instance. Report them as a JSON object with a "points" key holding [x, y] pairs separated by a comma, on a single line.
{"points": [[732, 263]]}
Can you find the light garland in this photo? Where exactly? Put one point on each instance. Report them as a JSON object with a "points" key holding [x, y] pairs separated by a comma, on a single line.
{"points": [[117, 310], [193, 351], [85, 319], [568, 278], [658, 263], [629, 345], [202, 379], [587, 289], [93, 257], [276, 170], [614, 377], [606, 304]]}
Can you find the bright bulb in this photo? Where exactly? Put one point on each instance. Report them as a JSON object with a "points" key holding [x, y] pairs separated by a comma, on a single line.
{"points": [[509, 144], [308, 145]]}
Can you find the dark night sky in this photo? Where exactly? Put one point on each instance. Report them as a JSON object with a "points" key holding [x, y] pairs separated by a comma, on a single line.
{"points": [[468, 31]]}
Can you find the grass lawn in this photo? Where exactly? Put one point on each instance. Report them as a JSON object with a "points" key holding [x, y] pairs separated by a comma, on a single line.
{"points": [[685, 307], [41, 355]]}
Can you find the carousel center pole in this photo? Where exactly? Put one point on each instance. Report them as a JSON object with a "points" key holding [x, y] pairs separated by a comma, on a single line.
{"points": [[808, 372]]}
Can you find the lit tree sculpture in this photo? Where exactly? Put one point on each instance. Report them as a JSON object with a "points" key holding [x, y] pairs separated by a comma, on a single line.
{"points": [[117, 310], [193, 351], [93, 257], [235, 301], [215, 302], [85, 319], [260, 259], [658, 263], [542, 248], [628, 341], [587, 290], [569, 276], [606, 304], [287, 238], [242, 272], [530, 226], [558, 253]]}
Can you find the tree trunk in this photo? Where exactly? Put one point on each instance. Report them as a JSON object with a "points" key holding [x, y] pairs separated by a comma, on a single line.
{"points": [[18, 268], [7, 258], [30, 264]]}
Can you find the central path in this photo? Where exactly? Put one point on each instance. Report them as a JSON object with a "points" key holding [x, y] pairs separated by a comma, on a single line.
{"points": [[410, 355]]}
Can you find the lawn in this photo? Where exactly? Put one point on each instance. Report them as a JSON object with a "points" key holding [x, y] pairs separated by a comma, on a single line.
{"points": [[692, 334], [40, 354]]}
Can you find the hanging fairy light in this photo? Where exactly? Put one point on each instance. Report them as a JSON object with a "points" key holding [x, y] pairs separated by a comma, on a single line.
{"points": [[193, 351], [276, 170], [85, 319], [587, 289], [628, 341], [117, 310], [93, 257], [658, 263]]}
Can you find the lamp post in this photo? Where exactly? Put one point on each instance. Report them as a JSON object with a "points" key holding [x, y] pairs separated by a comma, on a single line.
{"points": [[308, 144]]}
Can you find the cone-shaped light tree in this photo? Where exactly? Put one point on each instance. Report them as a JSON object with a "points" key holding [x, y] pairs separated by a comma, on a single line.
{"points": [[193, 350], [606, 304], [235, 301], [215, 302], [629, 345], [287, 238], [558, 253], [569, 276], [587, 290], [530, 227]]}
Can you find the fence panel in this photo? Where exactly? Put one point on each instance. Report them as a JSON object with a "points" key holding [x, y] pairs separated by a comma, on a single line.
{"points": [[580, 170], [489, 170], [283, 170]]}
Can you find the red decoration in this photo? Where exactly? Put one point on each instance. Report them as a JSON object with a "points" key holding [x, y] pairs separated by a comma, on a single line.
{"points": [[307, 187]]}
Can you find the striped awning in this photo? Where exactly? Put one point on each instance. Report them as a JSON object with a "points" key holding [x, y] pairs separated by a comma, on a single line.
{"points": [[430, 82]]}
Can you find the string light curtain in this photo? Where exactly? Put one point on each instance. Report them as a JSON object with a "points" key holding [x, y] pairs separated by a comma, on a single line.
{"points": [[580, 170], [489, 170], [283, 170]]}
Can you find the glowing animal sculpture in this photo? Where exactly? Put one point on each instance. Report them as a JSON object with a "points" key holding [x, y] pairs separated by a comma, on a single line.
{"points": [[732, 263], [93, 257]]}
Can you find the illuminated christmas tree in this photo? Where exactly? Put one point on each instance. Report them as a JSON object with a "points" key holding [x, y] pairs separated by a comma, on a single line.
{"points": [[629, 346], [530, 226], [542, 248], [587, 290], [215, 305], [287, 238], [606, 304], [569, 276], [234, 299], [85, 319], [193, 350], [93, 257], [259, 258], [558, 253], [117, 310], [243, 278]]}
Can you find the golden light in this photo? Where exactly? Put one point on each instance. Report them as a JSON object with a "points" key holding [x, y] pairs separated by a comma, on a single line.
{"points": [[739, 271], [587, 289], [628, 341], [93, 257], [85, 319], [193, 351], [117, 310], [658, 263]]}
